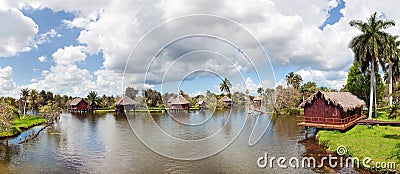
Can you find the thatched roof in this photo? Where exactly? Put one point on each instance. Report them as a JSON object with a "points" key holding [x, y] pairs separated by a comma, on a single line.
{"points": [[76, 101], [180, 100], [345, 100], [125, 100], [226, 99], [170, 99], [257, 98]]}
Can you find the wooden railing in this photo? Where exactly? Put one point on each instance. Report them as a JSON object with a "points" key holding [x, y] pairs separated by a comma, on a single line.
{"points": [[326, 120]]}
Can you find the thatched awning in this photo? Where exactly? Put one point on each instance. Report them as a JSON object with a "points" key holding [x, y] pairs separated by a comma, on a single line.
{"points": [[257, 98], [180, 100], [226, 99], [125, 100], [76, 101], [345, 100]]}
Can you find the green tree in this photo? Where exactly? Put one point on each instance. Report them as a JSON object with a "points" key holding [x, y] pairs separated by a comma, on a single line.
{"points": [[131, 92], [225, 85], [33, 97], [93, 99], [307, 89], [153, 98], [293, 80], [367, 48], [391, 54], [260, 90], [25, 94]]}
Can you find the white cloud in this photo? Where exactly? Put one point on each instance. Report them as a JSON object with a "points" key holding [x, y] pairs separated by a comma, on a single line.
{"points": [[45, 37], [69, 54], [7, 84], [16, 32], [42, 58]]}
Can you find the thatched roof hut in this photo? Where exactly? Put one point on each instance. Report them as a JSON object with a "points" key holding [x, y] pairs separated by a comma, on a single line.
{"points": [[125, 100], [78, 104], [226, 99], [180, 102], [331, 110], [257, 98], [345, 100]]}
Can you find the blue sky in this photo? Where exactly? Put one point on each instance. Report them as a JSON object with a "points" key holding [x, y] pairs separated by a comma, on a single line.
{"points": [[87, 39]]}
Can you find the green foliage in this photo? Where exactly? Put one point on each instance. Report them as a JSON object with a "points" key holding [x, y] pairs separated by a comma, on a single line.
{"points": [[225, 85], [358, 83], [308, 88], [131, 92], [379, 142], [153, 97], [293, 80], [93, 99], [287, 98], [6, 115]]}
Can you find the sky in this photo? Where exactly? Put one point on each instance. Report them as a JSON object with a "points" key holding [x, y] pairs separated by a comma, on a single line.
{"points": [[72, 47]]}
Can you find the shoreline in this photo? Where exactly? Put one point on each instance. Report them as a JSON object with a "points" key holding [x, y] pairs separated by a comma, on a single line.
{"points": [[17, 130]]}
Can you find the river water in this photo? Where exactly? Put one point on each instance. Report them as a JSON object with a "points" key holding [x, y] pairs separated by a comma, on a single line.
{"points": [[105, 143]]}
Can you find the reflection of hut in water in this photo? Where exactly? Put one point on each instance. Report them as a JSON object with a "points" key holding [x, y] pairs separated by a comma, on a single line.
{"points": [[331, 110], [202, 104], [78, 104], [180, 103], [125, 103], [257, 101], [226, 101]]}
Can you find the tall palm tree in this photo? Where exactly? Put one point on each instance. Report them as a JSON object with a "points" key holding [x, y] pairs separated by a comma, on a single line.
{"points": [[24, 93], [293, 80], [33, 96], [260, 90], [93, 99], [391, 52], [225, 86], [367, 46]]}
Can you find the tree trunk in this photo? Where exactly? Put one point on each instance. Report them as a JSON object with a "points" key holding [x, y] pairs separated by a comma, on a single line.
{"points": [[371, 94], [390, 84], [375, 94], [24, 108]]}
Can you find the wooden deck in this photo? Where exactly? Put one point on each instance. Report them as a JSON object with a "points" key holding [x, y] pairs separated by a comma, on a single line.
{"points": [[377, 122], [329, 123]]}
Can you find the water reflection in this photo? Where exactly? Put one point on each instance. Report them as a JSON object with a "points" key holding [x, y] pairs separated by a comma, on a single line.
{"points": [[105, 143]]}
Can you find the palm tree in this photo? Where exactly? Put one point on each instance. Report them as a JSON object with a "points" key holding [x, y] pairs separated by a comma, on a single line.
{"points": [[225, 86], [33, 95], [24, 93], [93, 99], [367, 46], [293, 80], [260, 90], [391, 52]]}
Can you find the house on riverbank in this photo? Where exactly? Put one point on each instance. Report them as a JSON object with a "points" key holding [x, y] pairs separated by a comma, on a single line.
{"points": [[331, 110], [180, 103], [226, 101], [78, 104], [125, 103]]}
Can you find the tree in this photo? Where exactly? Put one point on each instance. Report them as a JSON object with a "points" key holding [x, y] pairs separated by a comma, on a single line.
{"points": [[33, 96], [153, 97], [391, 54], [307, 89], [50, 111], [6, 115], [131, 92], [225, 86], [24, 93], [367, 48], [260, 90], [293, 80], [93, 99], [287, 98]]}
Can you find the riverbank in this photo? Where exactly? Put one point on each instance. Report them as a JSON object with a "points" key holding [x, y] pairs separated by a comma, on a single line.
{"points": [[19, 125], [380, 143]]}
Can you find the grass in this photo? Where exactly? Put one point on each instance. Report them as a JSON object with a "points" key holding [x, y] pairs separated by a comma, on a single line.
{"points": [[18, 125], [380, 143], [383, 115]]}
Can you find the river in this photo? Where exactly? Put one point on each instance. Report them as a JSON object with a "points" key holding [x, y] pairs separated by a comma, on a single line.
{"points": [[105, 143]]}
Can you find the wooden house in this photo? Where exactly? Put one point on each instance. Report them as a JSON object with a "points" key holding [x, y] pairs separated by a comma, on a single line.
{"points": [[226, 101], [125, 103], [331, 110], [78, 104], [257, 101], [180, 103]]}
